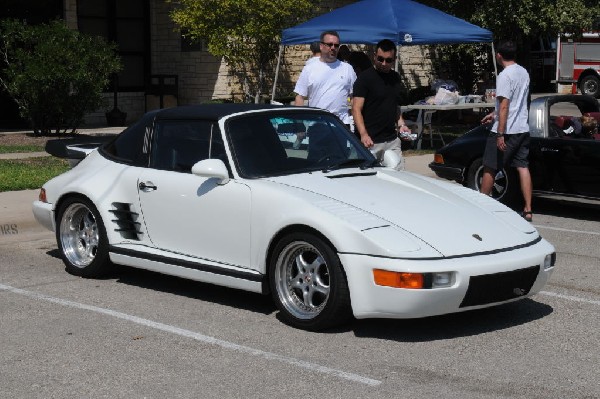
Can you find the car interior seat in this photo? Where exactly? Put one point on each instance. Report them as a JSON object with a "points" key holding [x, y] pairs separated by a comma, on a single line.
{"points": [[258, 149], [323, 142], [593, 129]]}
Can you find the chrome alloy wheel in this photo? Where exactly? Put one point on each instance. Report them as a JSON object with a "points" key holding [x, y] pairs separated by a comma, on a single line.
{"points": [[302, 280], [79, 235]]}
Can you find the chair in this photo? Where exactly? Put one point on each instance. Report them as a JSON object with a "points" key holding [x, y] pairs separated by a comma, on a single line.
{"points": [[427, 118], [424, 120]]}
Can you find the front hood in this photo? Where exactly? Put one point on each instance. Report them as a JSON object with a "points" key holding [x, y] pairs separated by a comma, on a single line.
{"points": [[452, 219]]}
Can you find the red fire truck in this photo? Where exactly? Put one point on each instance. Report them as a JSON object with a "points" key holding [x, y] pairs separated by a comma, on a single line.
{"points": [[578, 64]]}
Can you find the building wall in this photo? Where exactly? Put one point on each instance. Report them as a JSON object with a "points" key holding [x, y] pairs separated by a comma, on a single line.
{"points": [[133, 103], [203, 77]]}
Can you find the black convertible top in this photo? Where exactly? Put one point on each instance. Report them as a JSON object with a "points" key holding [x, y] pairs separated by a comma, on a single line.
{"points": [[210, 111]]}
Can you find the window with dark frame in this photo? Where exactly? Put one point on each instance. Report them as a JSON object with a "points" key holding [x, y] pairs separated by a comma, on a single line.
{"points": [[188, 45], [125, 23]]}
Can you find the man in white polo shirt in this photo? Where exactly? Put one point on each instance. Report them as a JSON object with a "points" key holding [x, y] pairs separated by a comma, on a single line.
{"points": [[327, 82]]}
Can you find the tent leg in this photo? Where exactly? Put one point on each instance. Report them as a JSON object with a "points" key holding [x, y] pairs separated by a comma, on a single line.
{"points": [[277, 72], [494, 60]]}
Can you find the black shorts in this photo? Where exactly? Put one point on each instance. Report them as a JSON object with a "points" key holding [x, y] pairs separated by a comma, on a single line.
{"points": [[515, 155]]}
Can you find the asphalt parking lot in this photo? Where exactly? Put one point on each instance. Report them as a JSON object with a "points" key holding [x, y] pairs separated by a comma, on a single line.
{"points": [[138, 334]]}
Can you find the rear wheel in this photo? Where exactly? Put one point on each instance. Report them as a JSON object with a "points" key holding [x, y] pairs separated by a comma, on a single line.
{"points": [[308, 283], [505, 186], [81, 238], [590, 85]]}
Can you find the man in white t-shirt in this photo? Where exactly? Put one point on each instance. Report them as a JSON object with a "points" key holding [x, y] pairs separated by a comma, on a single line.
{"points": [[315, 48], [508, 142], [327, 83]]}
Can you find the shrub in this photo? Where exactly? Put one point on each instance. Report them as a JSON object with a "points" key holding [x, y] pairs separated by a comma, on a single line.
{"points": [[55, 74]]}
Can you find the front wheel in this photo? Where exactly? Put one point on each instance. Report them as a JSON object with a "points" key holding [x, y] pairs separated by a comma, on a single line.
{"points": [[590, 85], [308, 283], [81, 238], [505, 186]]}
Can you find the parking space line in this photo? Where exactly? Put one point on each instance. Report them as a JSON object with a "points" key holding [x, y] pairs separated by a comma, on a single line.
{"points": [[567, 230], [570, 298], [198, 337]]}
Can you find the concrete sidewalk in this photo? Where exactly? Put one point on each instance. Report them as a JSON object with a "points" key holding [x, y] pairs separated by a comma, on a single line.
{"points": [[419, 164]]}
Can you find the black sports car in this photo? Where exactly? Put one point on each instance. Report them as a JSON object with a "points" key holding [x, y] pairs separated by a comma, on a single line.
{"points": [[564, 155]]}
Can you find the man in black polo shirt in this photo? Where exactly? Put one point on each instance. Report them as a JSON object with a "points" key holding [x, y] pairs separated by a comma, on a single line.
{"points": [[376, 104]]}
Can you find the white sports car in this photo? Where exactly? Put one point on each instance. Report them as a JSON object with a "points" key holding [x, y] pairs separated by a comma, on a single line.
{"points": [[221, 193]]}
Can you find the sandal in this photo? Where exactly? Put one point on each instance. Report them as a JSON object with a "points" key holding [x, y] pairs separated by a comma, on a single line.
{"points": [[527, 215]]}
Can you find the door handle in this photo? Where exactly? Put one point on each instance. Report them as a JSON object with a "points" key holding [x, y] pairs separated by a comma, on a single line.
{"points": [[546, 149], [149, 186]]}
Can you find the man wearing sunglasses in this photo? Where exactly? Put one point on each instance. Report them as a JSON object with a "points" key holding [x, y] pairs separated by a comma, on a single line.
{"points": [[376, 104], [327, 83]]}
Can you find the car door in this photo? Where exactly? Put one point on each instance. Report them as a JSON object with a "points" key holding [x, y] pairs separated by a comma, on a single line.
{"points": [[188, 214], [570, 165]]}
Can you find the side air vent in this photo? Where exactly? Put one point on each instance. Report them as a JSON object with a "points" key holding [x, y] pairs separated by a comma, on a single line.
{"points": [[126, 221]]}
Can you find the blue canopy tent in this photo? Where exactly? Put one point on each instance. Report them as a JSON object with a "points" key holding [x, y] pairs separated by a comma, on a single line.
{"points": [[404, 22]]}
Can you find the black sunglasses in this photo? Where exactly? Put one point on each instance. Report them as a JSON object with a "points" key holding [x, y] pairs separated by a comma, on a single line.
{"points": [[330, 45], [387, 60]]}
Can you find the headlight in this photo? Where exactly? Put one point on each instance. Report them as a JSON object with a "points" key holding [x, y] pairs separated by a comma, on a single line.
{"points": [[442, 279]]}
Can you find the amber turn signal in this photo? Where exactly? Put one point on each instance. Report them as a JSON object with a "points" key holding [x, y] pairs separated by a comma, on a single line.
{"points": [[398, 280], [438, 158]]}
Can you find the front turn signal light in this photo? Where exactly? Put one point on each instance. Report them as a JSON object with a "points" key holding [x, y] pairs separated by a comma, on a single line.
{"points": [[438, 158], [398, 280]]}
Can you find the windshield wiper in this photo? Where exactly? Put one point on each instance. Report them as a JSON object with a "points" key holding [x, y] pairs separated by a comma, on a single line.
{"points": [[364, 164], [369, 164]]}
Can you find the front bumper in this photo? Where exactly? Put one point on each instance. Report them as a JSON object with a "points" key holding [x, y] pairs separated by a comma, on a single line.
{"points": [[372, 301], [449, 172]]}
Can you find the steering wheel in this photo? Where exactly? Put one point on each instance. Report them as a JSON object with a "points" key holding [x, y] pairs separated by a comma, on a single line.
{"points": [[326, 157]]}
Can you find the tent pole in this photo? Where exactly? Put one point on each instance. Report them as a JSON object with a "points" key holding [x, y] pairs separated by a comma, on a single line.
{"points": [[397, 57], [494, 60], [277, 72]]}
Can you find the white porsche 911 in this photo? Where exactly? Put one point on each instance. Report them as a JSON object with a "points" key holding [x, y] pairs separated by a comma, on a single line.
{"points": [[285, 200]]}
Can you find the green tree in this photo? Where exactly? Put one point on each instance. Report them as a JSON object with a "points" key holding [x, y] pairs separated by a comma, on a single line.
{"points": [[246, 33], [517, 19], [520, 20], [56, 75]]}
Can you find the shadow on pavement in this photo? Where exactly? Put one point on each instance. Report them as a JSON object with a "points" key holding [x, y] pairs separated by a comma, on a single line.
{"points": [[454, 325], [250, 301], [566, 209]]}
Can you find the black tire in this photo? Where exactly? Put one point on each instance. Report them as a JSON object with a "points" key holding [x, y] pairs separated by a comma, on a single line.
{"points": [[506, 187], [590, 85], [308, 284], [81, 238]]}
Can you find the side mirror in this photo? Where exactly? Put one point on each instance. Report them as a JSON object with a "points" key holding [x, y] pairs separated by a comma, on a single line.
{"points": [[214, 168], [391, 159]]}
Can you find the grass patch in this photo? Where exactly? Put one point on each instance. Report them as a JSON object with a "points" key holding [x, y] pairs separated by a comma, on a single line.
{"points": [[9, 149], [30, 173]]}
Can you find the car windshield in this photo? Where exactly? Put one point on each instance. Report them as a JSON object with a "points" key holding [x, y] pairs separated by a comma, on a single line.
{"points": [[288, 142]]}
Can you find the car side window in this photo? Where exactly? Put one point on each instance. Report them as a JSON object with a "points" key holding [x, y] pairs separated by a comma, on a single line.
{"points": [[178, 144]]}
